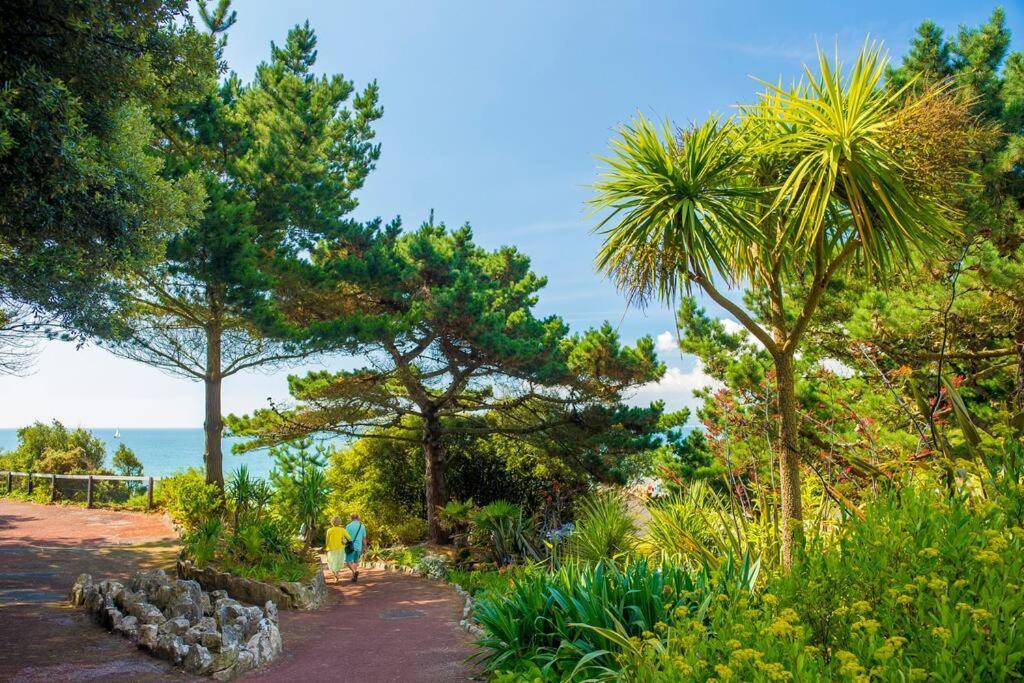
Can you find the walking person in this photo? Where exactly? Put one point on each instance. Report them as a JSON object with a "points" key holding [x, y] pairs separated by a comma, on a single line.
{"points": [[337, 538], [354, 547]]}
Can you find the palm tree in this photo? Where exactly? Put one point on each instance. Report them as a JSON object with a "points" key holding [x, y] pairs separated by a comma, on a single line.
{"points": [[798, 186]]}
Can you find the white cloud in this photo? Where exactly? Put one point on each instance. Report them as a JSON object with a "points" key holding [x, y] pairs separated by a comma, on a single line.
{"points": [[667, 341], [836, 367], [731, 326], [676, 388]]}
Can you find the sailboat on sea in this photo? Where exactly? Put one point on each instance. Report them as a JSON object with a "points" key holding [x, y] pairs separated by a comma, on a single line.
{"points": [[117, 433]]}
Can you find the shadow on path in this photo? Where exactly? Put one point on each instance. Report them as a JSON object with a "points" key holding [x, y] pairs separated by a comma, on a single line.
{"points": [[388, 627], [42, 549]]}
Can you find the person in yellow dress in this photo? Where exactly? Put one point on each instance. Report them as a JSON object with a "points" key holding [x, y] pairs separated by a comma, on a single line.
{"points": [[336, 539]]}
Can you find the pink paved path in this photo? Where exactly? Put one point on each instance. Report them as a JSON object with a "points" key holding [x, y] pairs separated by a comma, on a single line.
{"points": [[388, 627], [42, 549]]}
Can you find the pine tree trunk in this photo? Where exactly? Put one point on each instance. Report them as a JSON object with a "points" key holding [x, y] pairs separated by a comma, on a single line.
{"points": [[433, 456], [789, 460], [214, 424]]}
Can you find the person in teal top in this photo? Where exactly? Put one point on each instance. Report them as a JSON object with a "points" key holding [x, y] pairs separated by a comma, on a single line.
{"points": [[357, 532]]}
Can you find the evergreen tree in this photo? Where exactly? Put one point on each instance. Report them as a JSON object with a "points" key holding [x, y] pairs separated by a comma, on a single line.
{"points": [[280, 160], [454, 348], [82, 196]]}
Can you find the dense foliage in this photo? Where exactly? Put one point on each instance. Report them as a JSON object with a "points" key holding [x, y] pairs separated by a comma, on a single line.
{"points": [[279, 160], [53, 448], [454, 348], [82, 195], [834, 172]]}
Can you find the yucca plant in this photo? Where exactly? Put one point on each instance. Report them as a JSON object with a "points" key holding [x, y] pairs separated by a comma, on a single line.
{"points": [[505, 531], [605, 529], [800, 185]]}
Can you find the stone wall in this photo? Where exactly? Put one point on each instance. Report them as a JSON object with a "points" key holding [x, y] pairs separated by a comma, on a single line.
{"points": [[285, 594], [205, 633]]}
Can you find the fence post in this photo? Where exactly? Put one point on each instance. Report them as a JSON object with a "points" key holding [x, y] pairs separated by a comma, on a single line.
{"points": [[53, 487], [88, 492], [10, 483], [30, 483], [149, 495]]}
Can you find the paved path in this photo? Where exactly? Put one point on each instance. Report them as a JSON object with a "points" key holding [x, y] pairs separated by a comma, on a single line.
{"points": [[388, 627], [42, 549]]}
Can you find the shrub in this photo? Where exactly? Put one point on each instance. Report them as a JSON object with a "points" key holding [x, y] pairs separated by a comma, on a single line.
{"points": [[505, 532], [433, 566], [71, 450], [604, 529], [301, 488], [412, 530], [571, 623], [924, 587], [189, 500], [126, 463]]}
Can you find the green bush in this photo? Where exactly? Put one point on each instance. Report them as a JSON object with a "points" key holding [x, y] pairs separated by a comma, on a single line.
{"points": [[924, 587], [412, 530], [53, 448], [570, 623], [605, 529], [505, 532], [189, 500]]}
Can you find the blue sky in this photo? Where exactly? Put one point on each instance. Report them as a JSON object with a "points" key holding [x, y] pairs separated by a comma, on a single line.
{"points": [[494, 114]]}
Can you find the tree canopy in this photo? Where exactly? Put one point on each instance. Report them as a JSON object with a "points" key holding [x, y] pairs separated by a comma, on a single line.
{"points": [[82, 194], [804, 183], [456, 349], [279, 160]]}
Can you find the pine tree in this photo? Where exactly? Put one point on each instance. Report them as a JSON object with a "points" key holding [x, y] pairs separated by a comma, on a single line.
{"points": [[280, 160], [454, 348]]}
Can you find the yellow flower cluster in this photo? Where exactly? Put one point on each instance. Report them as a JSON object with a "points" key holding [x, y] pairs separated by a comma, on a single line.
{"points": [[891, 647], [783, 626], [928, 552], [869, 626], [850, 666]]}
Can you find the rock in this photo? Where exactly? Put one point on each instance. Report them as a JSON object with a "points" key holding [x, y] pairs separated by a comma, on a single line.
{"points": [[253, 617], [111, 617], [205, 604], [265, 644], [231, 636], [128, 627], [148, 636], [270, 609], [149, 582], [206, 634], [177, 626], [226, 610], [225, 661], [198, 660], [110, 588], [83, 586], [147, 613], [246, 662], [170, 647], [127, 598]]}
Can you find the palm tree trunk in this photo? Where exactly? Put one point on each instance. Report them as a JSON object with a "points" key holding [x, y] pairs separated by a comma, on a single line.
{"points": [[789, 459], [214, 424], [433, 456]]}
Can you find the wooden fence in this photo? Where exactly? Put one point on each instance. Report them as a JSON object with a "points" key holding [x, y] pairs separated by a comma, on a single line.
{"points": [[34, 477]]}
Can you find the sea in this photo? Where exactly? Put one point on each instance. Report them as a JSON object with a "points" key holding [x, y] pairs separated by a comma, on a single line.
{"points": [[164, 452]]}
